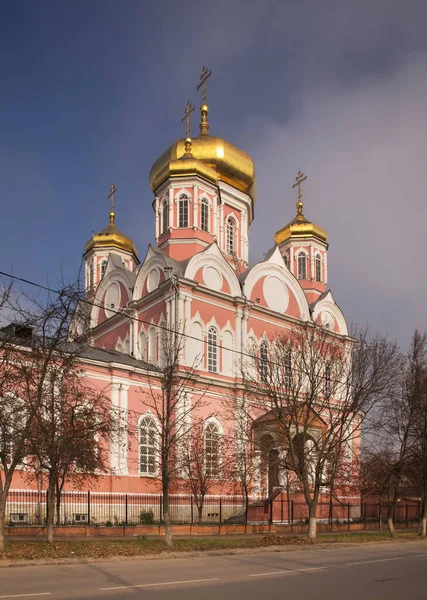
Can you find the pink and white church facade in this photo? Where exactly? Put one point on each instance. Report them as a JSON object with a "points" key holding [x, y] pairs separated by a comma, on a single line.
{"points": [[197, 278]]}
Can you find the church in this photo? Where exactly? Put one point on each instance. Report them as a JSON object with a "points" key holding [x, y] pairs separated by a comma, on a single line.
{"points": [[197, 279]]}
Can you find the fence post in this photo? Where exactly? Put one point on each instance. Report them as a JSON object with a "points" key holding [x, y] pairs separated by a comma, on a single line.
{"points": [[161, 507], [281, 508], [220, 510], [126, 509], [270, 520], [47, 506], [364, 516], [191, 509], [292, 516], [88, 507], [406, 516], [380, 516], [348, 516]]}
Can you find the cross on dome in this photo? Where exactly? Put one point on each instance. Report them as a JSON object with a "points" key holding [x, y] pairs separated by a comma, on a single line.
{"points": [[204, 109], [113, 190]]}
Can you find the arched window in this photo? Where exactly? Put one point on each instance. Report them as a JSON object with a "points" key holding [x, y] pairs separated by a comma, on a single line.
{"points": [[302, 266], [230, 236], [328, 380], [318, 268], [165, 215], [288, 368], [212, 350], [91, 275], [183, 211], [263, 362], [103, 268], [147, 446], [204, 214], [152, 345], [212, 450], [143, 345]]}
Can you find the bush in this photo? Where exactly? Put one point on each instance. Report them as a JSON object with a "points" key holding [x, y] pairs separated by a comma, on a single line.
{"points": [[108, 524], [146, 517]]}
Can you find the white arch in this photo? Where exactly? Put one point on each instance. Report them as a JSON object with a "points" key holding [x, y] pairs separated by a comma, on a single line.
{"points": [[328, 304], [212, 256]]}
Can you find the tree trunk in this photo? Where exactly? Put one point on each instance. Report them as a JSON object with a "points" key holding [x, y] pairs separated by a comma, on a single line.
{"points": [[423, 522], [390, 512], [312, 521], [200, 511], [50, 512], [166, 515], [3, 497]]}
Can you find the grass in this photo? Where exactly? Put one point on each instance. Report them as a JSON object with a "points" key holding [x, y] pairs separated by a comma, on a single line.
{"points": [[20, 550]]}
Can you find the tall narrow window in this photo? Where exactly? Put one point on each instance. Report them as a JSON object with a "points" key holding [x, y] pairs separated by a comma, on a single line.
{"points": [[288, 368], [212, 350], [204, 214], [165, 215], [147, 446], [230, 236], [318, 268], [285, 258], [91, 275], [302, 266], [328, 381], [212, 450], [183, 211], [103, 268], [263, 362]]}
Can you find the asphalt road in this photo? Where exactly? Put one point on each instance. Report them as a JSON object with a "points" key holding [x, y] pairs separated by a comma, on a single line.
{"points": [[393, 571]]}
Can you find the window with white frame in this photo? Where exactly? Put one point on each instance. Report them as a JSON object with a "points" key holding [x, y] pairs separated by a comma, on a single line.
{"points": [[212, 350], [147, 446], [263, 362], [183, 211], [288, 368], [103, 268], [302, 266], [230, 236], [318, 268], [204, 214], [165, 215], [212, 440], [328, 380]]}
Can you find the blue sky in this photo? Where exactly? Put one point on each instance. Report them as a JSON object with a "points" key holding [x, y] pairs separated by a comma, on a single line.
{"points": [[93, 91]]}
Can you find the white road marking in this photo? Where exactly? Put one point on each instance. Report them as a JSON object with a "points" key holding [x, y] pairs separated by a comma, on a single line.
{"points": [[143, 585], [288, 571], [366, 562], [420, 555], [26, 595]]}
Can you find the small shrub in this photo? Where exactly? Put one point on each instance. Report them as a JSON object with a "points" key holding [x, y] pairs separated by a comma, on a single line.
{"points": [[108, 524], [146, 517]]}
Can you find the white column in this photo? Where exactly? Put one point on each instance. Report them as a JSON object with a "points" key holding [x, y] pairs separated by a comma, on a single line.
{"points": [[215, 217], [238, 329], [123, 440], [312, 261], [156, 212], [221, 227], [326, 267], [171, 211], [195, 205], [114, 447], [291, 260]]}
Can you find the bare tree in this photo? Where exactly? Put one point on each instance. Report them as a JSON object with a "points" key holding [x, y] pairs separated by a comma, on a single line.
{"points": [[316, 389], [174, 399]]}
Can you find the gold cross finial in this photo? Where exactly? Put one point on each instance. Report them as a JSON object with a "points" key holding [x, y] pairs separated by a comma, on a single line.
{"points": [[298, 181], [188, 110], [113, 190], [204, 125]]}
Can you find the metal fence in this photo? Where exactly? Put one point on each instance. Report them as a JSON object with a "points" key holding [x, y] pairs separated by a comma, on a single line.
{"points": [[28, 507]]}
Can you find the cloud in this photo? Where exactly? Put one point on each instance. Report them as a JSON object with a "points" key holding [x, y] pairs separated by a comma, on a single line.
{"points": [[364, 150]]}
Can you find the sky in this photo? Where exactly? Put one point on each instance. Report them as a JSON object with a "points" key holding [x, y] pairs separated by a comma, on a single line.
{"points": [[93, 91]]}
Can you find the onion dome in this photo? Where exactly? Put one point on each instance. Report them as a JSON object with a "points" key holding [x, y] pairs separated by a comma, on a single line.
{"points": [[222, 161], [111, 236]]}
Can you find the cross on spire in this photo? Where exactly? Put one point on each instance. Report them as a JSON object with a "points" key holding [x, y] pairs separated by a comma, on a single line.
{"points": [[203, 78], [188, 110], [298, 181], [113, 190]]}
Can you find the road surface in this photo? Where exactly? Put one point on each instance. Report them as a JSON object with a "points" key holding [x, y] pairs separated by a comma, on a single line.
{"points": [[391, 571]]}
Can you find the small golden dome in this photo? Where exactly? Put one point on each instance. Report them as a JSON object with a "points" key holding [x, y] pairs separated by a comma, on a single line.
{"points": [[222, 161], [111, 236], [300, 227]]}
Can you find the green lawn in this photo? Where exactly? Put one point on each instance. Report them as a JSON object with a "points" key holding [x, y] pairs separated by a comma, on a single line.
{"points": [[20, 550]]}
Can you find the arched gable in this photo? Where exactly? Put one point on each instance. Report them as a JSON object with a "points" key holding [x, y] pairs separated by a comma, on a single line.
{"points": [[213, 258], [277, 281], [150, 274], [118, 282], [328, 305]]}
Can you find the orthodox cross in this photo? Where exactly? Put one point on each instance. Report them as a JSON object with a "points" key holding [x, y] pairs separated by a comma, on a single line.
{"points": [[188, 110], [203, 78], [298, 181], [113, 190]]}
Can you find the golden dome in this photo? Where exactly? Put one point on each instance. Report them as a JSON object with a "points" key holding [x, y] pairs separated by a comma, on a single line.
{"points": [[226, 163], [300, 227], [111, 236]]}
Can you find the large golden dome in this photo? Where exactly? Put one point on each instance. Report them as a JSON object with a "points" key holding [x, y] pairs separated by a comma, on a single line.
{"points": [[232, 165], [111, 236]]}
